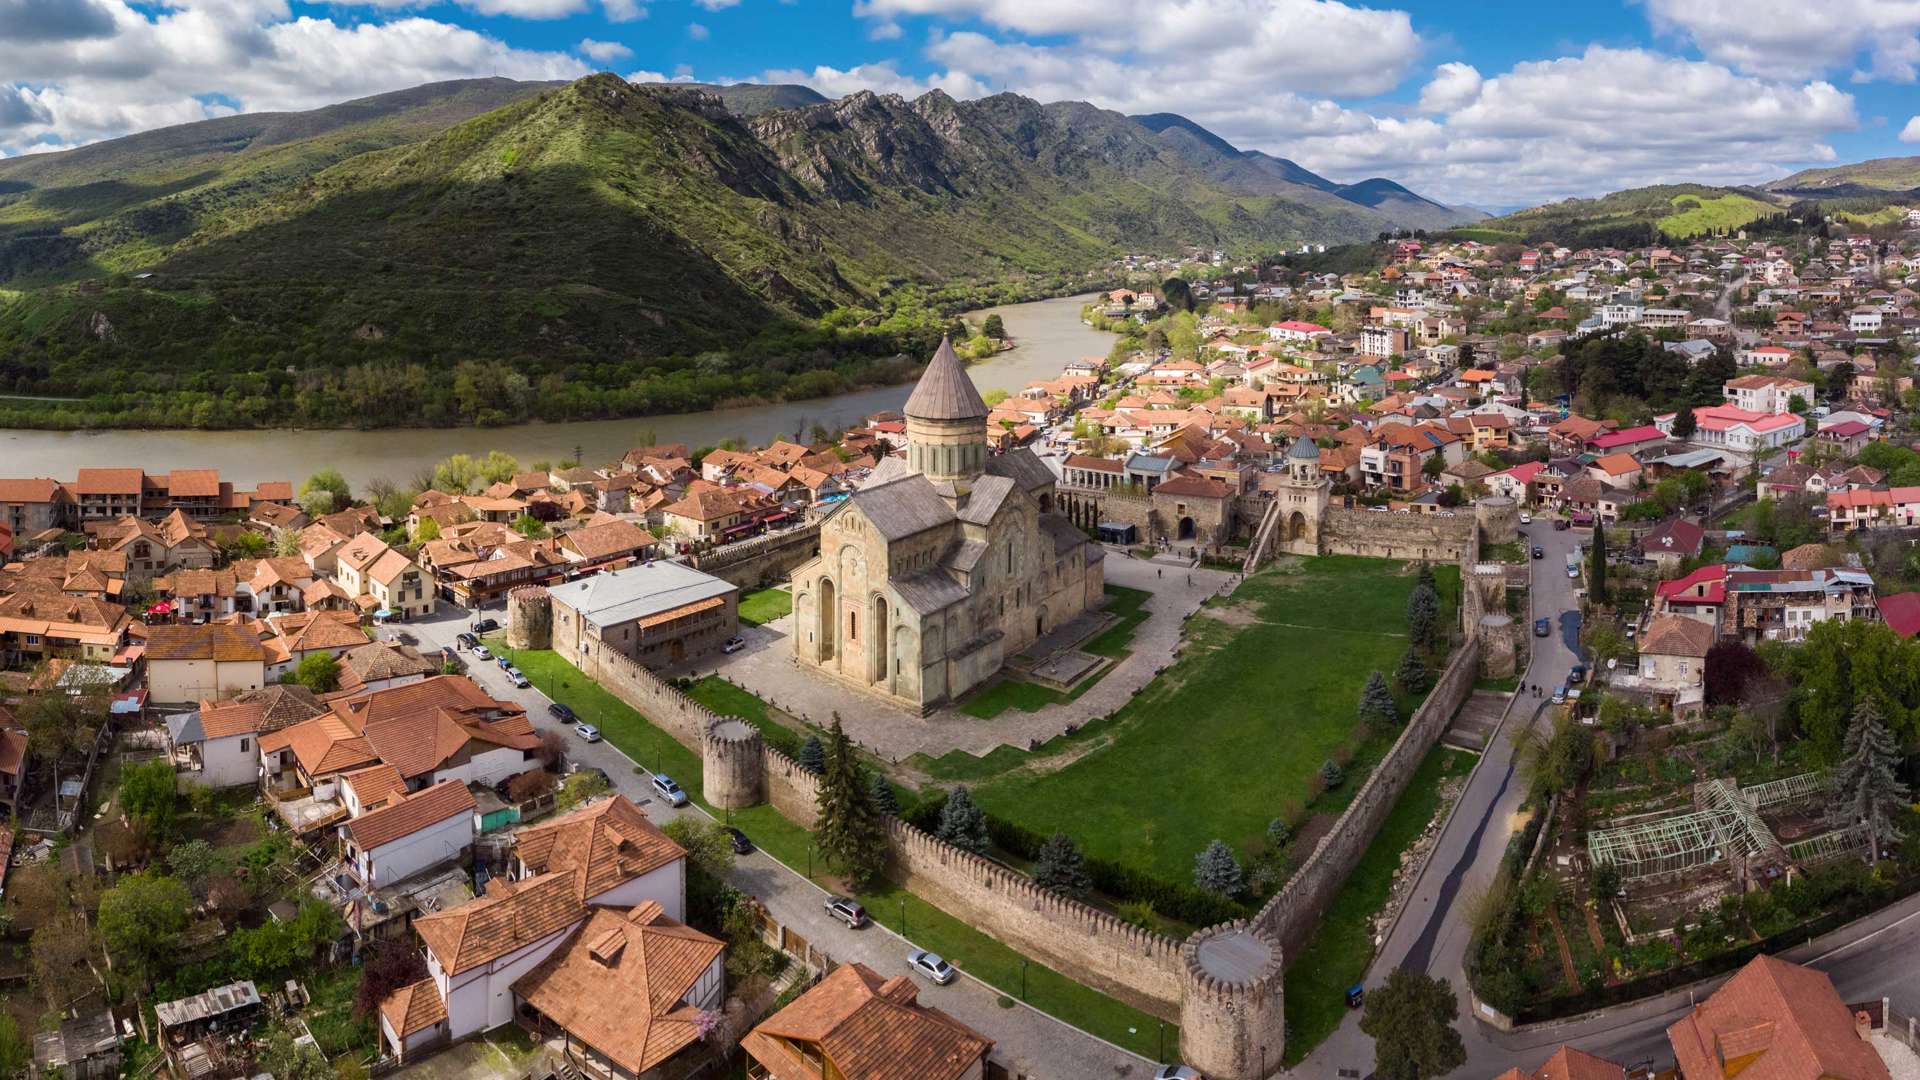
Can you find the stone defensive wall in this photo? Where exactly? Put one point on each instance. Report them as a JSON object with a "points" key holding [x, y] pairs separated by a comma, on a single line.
{"points": [[763, 560], [1397, 536]]}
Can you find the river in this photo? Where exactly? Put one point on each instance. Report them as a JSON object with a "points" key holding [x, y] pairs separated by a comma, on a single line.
{"points": [[1048, 334]]}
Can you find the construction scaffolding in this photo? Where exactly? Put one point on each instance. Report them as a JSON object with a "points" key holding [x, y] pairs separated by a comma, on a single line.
{"points": [[1793, 789], [1670, 845], [1725, 825], [1827, 847]]}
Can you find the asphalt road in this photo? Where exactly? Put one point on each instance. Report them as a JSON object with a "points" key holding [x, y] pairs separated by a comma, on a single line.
{"points": [[1025, 1039]]}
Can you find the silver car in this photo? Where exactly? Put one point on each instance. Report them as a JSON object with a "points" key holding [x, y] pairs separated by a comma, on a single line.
{"points": [[1177, 1072], [930, 965], [664, 787]]}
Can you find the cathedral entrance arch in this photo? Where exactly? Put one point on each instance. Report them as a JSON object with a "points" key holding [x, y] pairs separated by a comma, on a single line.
{"points": [[1186, 529], [1296, 527], [829, 628]]}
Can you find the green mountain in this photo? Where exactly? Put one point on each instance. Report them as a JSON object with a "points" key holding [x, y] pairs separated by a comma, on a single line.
{"points": [[627, 248], [1879, 175], [1636, 216]]}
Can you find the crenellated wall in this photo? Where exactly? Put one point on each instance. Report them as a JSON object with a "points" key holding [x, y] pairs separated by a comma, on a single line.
{"points": [[1140, 967], [791, 789], [1397, 536], [763, 560]]}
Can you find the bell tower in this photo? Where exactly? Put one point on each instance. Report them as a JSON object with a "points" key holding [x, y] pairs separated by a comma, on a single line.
{"points": [[946, 422]]}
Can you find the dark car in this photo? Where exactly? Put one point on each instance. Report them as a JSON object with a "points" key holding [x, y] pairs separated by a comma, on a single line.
{"points": [[741, 845], [1539, 553], [560, 712], [485, 626], [504, 663], [469, 640], [1541, 628]]}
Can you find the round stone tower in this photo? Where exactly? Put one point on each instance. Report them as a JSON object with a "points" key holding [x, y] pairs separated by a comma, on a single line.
{"points": [[732, 769], [946, 422], [529, 618], [1231, 1021], [1499, 519], [1499, 651]]}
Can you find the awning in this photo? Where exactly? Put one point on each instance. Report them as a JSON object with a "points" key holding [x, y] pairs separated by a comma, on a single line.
{"points": [[682, 611]]}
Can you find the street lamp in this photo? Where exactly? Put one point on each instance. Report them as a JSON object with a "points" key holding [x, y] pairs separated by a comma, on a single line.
{"points": [[903, 916], [1162, 1055], [809, 860], [1023, 979]]}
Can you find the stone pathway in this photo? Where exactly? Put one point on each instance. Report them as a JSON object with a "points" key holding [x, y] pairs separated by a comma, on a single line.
{"points": [[766, 668]]}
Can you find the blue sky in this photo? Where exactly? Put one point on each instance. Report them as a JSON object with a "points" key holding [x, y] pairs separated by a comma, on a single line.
{"points": [[1496, 103]]}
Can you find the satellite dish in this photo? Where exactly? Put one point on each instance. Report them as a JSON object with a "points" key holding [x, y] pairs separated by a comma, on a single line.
{"points": [[1612, 662]]}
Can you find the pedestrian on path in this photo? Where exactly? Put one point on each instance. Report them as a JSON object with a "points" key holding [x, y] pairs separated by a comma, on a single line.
{"points": [[1158, 572]]}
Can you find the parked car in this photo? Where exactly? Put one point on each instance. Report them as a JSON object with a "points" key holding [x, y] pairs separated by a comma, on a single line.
{"points": [[1573, 570], [518, 678], [1631, 630], [664, 787], [847, 911], [483, 652], [587, 732], [734, 645], [1526, 518], [1539, 552], [1177, 1072], [485, 626], [1559, 524], [562, 713], [505, 664], [1577, 675], [741, 845], [1559, 695], [1541, 628], [930, 965], [467, 640]]}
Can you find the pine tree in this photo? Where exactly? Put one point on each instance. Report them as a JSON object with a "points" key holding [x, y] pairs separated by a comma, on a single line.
{"points": [[849, 833], [1332, 775], [1060, 867], [1866, 789], [1217, 871], [1376, 702], [962, 823], [1684, 423], [813, 755], [881, 792], [1423, 615], [1412, 674], [1597, 573], [1279, 832], [1426, 579]]}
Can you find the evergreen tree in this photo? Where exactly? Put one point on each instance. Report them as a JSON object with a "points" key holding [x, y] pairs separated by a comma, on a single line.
{"points": [[884, 801], [1060, 867], [1279, 832], [1411, 1022], [1684, 424], [849, 832], [1597, 573], [994, 328], [813, 755], [1866, 789], [962, 823], [1425, 578], [1423, 615], [1376, 702], [1217, 871], [1412, 675], [1332, 775]]}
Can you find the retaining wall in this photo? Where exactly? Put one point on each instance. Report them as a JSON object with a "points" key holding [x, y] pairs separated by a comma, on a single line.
{"points": [[1397, 536], [763, 560], [1139, 967]]}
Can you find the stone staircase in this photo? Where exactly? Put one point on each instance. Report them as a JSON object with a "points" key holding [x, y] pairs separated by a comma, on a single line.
{"points": [[1263, 538], [1473, 726]]}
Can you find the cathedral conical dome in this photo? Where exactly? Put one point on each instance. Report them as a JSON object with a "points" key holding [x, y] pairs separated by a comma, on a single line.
{"points": [[944, 391]]}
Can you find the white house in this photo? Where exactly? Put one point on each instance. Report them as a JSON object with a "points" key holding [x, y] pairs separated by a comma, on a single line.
{"points": [[1297, 331], [617, 855], [1738, 429], [1767, 393], [410, 834], [220, 743], [1865, 320]]}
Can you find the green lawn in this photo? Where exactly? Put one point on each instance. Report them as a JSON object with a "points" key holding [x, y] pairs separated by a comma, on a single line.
{"points": [[1342, 947], [1704, 213], [968, 948], [762, 606], [1114, 642], [1214, 746]]}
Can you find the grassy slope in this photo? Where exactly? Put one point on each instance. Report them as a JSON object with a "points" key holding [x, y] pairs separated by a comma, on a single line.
{"points": [[1709, 214], [1215, 746], [1892, 174], [1719, 208]]}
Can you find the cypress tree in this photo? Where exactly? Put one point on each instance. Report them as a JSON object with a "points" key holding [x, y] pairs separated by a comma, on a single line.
{"points": [[1060, 867], [1866, 789], [1217, 871], [849, 833], [962, 823]]}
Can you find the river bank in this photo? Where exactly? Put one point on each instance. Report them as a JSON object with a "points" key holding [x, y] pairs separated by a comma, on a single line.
{"points": [[1047, 334]]}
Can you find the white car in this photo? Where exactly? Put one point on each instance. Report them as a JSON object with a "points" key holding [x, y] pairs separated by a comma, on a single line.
{"points": [[930, 965], [734, 645], [587, 732], [1177, 1072], [518, 678], [482, 652], [1526, 518], [664, 787]]}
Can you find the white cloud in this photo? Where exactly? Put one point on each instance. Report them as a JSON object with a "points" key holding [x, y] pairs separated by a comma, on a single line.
{"points": [[881, 78], [624, 11], [1911, 133], [1797, 40], [1255, 46], [715, 5], [603, 51], [697, 32], [1452, 86], [177, 64]]}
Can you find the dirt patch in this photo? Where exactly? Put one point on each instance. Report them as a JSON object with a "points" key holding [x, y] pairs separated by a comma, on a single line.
{"points": [[1308, 837], [1235, 614]]}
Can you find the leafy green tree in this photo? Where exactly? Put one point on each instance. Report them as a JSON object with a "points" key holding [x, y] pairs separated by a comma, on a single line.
{"points": [[529, 526], [286, 1059], [1060, 867], [318, 672], [962, 823], [498, 467], [1215, 870], [1376, 702], [1410, 1019], [1867, 788], [427, 531], [149, 794], [1411, 675], [141, 920], [194, 863], [813, 755], [1597, 565], [994, 328], [884, 801], [244, 544], [286, 543], [319, 503], [578, 788], [850, 833], [1177, 294], [456, 475], [1685, 424], [328, 480], [276, 949]]}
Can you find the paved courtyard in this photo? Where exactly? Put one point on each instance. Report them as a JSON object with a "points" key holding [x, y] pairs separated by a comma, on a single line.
{"points": [[766, 668]]}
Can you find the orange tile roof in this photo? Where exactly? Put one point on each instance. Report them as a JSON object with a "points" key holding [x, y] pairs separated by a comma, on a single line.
{"points": [[621, 982], [109, 481], [1774, 1021], [222, 642], [871, 1029], [220, 720], [376, 785], [510, 917], [37, 489], [602, 845], [193, 483], [420, 810], [413, 1008], [681, 612], [323, 745]]}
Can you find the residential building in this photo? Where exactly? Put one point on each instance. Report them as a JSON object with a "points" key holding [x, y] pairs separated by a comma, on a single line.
{"points": [[1740, 430], [1672, 664], [32, 506], [409, 833], [1768, 393], [203, 662], [856, 1025], [219, 744], [1569, 1064], [39, 622], [380, 578], [659, 614], [1777, 1021], [108, 494], [1782, 605], [1384, 341]]}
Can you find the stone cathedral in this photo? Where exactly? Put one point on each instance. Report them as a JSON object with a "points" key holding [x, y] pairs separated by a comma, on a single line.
{"points": [[944, 565]]}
